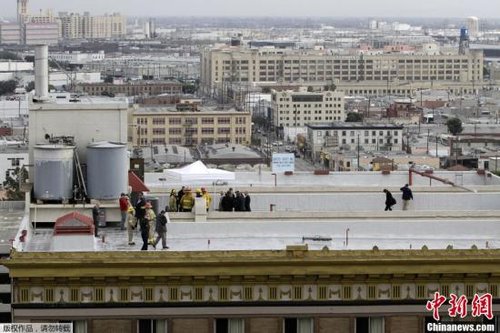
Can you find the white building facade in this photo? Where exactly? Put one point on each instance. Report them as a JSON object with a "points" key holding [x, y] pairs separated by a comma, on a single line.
{"points": [[296, 109], [347, 136]]}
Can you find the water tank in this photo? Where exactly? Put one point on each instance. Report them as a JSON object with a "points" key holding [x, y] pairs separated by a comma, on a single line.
{"points": [[235, 41], [107, 170], [464, 33], [53, 172]]}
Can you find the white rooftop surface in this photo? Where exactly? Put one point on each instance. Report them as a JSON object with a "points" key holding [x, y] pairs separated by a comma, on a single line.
{"points": [[337, 179], [83, 102], [363, 234]]}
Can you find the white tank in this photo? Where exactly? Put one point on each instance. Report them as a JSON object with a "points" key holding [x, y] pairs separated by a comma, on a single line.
{"points": [[53, 172], [107, 170]]}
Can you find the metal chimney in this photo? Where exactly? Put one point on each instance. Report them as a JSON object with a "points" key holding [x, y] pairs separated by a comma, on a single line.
{"points": [[42, 72]]}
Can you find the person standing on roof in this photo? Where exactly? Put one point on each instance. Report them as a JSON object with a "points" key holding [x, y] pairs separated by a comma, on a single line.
{"points": [[247, 202], [95, 217], [389, 200], [187, 201], [131, 224], [161, 229], [150, 216], [123, 201], [180, 194], [172, 201], [407, 196], [207, 196], [140, 213]]}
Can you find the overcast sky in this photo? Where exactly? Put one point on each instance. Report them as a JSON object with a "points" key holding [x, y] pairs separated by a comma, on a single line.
{"points": [[334, 8]]}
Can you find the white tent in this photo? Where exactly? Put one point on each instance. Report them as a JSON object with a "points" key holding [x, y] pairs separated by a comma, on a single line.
{"points": [[197, 171]]}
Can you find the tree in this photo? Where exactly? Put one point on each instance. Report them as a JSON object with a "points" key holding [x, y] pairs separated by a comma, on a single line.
{"points": [[454, 126], [12, 183], [310, 89], [330, 87], [354, 117], [7, 87], [6, 55], [31, 86], [266, 90]]}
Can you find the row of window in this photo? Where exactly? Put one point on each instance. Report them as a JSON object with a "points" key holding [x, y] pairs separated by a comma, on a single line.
{"points": [[189, 141], [311, 105], [190, 120], [373, 141]]}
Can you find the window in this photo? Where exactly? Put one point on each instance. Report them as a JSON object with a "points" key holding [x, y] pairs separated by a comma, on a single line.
{"points": [[156, 325], [224, 130], [174, 121], [232, 325], [15, 162], [223, 120], [207, 131], [298, 325], [158, 131], [158, 121], [369, 325], [206, 120], [174, 131]]}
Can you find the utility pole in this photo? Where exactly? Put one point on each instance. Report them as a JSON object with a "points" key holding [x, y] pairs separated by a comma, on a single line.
{"points": [[436, 145], [428, 132], [358, 153]]}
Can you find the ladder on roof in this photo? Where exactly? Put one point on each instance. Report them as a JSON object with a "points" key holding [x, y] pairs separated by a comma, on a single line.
{"points": [[79, 175]]}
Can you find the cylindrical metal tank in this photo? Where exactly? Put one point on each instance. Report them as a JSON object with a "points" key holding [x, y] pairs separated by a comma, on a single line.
{"points": [[53, 172], [107, 170]]}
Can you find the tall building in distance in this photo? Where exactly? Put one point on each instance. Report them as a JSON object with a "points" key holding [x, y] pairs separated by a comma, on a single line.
{"points": [[375, 75], [473, 26], [22, 10], [77, 26], [47, 28]]}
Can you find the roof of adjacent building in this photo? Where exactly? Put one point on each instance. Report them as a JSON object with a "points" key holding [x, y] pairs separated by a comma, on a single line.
{"points": [[354, 126]]}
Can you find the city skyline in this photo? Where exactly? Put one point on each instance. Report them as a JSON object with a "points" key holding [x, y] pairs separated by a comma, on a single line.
{"points": [[285, 8]]}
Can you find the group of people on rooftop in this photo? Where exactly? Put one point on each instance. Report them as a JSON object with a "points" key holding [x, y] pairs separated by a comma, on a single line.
{"points": [[184, 199], [237, 201], [390, 201]]}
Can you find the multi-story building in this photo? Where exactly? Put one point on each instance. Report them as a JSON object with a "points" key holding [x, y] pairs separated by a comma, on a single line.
{"points": [[134, 88], [348, 136], [76, 26], [159, 126], [385, 73], [473, 26], [12, 157], [10, 34], [77, 58], [41, 33], [296, 109]]}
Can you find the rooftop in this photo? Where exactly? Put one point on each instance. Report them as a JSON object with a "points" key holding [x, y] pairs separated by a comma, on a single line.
{"points": [[240, 233], [352, 125], [172, 110], [81, 102], [11, 215]]}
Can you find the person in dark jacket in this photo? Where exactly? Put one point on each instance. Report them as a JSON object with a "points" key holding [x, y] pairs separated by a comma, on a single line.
{"points": [[389, 200], [247, 202], [161, 229], [407, 196], [140, 214], [180, 194], [228, 202], [95, 217], [239, 202]]}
